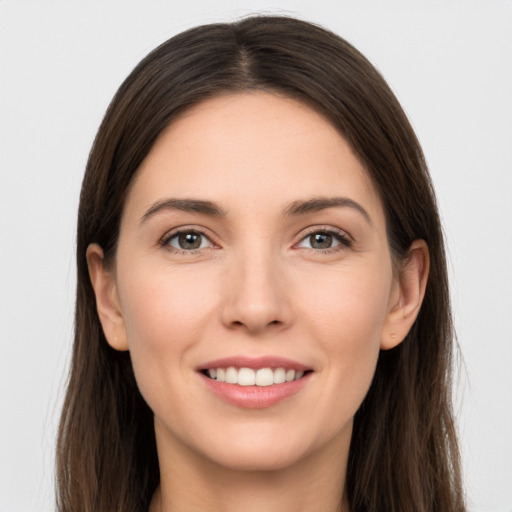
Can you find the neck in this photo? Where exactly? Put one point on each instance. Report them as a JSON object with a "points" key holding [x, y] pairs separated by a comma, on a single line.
{"points": [[191, 483]]}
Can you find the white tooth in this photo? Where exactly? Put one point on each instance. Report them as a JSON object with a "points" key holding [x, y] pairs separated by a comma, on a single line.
{"points": [[290, 375], [264, 377], [221, 374], [231, 375], [212, 373], [298, 375], [279, 375], [246, 377]]}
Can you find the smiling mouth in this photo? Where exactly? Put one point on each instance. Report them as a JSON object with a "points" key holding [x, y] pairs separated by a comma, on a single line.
{"points": [[254, 377]]}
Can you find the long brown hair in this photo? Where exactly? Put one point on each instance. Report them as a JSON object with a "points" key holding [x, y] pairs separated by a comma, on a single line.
{"points": [[403, 455]]}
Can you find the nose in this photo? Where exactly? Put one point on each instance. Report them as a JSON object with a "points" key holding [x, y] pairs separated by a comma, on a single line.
{"points": [[256, 298]]}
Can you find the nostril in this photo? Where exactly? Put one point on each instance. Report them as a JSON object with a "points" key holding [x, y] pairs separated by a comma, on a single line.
{"points": [[273, 322]]}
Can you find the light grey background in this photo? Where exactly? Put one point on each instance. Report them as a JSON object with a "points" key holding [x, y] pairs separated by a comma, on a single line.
{"points": [[60, 63]]}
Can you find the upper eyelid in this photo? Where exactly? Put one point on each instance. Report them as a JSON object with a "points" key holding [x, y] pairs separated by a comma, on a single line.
{"points": [[326, 229], [179, 232]]}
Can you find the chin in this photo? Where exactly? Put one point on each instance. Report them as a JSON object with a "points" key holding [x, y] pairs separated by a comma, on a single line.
{"points": [[248, 458], [258, 449]]}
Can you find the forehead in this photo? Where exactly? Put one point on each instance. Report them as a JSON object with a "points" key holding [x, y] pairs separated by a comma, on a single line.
{"points": [[257, 148]]}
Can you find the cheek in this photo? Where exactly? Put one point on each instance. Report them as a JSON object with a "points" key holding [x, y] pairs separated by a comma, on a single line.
{"points": [[349, 305], [162, 303], [346, 314], [164, 316]]}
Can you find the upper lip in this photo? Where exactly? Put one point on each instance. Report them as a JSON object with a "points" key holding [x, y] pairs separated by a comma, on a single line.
{"points": [[255, 363]]}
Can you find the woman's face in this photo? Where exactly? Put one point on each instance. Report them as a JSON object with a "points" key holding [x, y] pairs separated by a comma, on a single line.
{"points": [[253, 238]]}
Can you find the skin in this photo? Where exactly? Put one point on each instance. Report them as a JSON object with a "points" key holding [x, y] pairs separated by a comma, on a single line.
{"points": [[259, 285]]}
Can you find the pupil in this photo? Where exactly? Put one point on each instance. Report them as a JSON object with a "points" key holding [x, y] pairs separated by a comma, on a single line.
{"points": [[321, 240], [189, 241]]}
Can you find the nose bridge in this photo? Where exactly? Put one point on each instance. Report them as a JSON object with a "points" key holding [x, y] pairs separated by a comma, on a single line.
{"points": [[256, 295]]}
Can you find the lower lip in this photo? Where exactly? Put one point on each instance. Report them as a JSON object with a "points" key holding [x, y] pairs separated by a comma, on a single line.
{"points": [[255, 397]]}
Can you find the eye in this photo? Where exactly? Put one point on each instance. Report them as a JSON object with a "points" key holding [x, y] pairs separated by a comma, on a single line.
{"points": [[325, 239], [187, 241]]}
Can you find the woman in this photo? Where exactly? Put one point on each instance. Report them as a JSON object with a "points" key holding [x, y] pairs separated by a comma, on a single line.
{"points": [[262, 311]]}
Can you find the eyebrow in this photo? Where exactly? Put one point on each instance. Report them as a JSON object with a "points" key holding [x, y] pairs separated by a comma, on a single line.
{"points": [[322, 203], [185, 205], [295, 208]]}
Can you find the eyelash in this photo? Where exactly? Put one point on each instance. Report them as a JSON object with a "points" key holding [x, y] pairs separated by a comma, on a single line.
{"points": [[343, 239], [341, 236], [167, 238]]}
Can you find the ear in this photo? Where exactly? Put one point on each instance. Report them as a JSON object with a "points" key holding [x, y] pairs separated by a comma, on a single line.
{"points": [[407, 295], [107, 300]]}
